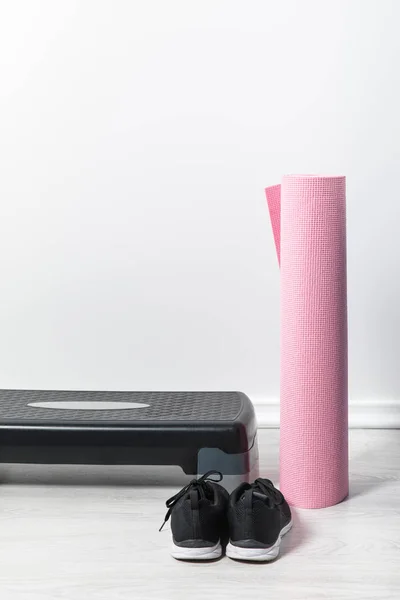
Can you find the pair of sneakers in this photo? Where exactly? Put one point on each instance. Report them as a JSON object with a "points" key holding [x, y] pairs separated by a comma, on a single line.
{"points": [[249, 523]]}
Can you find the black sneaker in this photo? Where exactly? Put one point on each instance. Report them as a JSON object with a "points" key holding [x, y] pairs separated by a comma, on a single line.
{"points": [[258, 517], [198, 519]]}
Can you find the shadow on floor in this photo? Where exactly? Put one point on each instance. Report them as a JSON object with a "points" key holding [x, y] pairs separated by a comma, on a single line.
{"points": [[93, 475], [380, 448], [364, 486], [296, 537]]}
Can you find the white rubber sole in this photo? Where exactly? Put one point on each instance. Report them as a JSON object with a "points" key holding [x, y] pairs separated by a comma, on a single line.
{"points": [[257, 554], [208, 553]]}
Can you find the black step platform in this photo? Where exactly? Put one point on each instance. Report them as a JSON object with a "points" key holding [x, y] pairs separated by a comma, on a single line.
{"points": [[195, 430]]}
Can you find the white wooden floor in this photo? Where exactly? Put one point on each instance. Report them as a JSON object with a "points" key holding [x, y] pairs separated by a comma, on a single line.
{"points": [[92, 534]]}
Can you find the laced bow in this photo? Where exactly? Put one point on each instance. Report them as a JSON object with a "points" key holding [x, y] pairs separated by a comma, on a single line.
{"points": [[200, 484]]}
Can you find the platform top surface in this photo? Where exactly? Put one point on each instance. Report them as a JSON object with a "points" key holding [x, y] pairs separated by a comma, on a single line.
{"points": [[63, 407]]}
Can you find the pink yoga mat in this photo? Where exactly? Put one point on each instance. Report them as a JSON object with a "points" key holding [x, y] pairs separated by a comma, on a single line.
{"points": [[308, 215]]}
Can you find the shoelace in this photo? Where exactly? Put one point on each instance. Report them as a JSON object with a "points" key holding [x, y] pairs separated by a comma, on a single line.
{"points": [[266, 487], [200, 484]]}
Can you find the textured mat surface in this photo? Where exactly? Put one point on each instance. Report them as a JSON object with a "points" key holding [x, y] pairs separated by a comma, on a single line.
{"points": [[311, 246], [16, 406]]}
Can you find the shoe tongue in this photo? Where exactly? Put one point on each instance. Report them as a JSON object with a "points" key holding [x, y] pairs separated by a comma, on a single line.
{"points": [[209, 492], [264, 498], [202, 493], [250, 495], [260, 496]]}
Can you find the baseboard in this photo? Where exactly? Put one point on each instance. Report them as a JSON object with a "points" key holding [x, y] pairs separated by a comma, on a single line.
{"points": [[363, 414]]}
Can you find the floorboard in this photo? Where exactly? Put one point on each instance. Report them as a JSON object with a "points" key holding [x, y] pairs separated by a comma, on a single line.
{"points": [[92, 534]]}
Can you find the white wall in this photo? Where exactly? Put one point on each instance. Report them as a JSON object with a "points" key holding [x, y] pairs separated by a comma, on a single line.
{"points": [[136, 140]]}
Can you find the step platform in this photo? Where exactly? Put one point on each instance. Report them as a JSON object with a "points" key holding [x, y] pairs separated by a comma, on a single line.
{"points": [[197, 431]]}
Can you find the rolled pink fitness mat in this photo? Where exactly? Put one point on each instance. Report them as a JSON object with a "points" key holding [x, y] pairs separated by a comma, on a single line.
{"points": [[310, 236]]}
